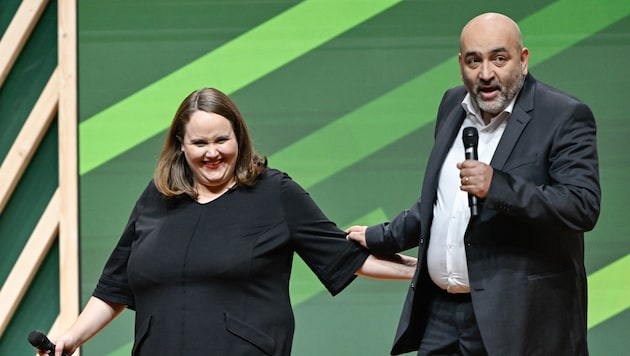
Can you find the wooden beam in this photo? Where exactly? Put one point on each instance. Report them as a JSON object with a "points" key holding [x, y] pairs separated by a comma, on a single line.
{"points": [[18, 32], [32, 256], [68, 170], [28, 139]]}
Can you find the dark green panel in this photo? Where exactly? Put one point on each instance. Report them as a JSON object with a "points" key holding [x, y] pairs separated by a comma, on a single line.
{"points": [[126, 45], [28, 202], [38, 309], [7, 10], [18, 95], [28, 77], [610, 338]]}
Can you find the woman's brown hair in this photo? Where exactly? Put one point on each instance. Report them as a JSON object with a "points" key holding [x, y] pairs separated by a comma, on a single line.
{"points": [[172, 175]]}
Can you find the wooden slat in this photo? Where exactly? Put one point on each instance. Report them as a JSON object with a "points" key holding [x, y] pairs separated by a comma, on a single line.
{"points": [[29, 261], [17, 33], [68, 170], [28, 139]]}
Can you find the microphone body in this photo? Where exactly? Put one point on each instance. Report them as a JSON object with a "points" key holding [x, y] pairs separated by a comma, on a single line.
{"points": [[39, 340], [470, 137]]}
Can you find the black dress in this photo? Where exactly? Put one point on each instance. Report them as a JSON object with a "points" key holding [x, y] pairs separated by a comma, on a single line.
{"points": [[213, 279]]}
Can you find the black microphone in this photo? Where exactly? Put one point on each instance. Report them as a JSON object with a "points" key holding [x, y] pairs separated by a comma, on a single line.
{"points": [[470, 136], [39, 340]]}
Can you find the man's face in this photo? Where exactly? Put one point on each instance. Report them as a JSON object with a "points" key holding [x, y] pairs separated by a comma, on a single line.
{"points": [[493, 66]]}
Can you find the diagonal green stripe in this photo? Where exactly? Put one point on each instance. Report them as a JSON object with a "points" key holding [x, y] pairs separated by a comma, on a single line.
{"points": [[608, 291], [230, 67]]}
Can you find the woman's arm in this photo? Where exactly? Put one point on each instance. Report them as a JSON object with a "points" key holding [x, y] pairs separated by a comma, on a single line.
{"points": [[398, 266], [96, 315]]}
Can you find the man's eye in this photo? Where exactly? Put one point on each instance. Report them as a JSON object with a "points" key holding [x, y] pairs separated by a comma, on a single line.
{"points": [[472, 62]]}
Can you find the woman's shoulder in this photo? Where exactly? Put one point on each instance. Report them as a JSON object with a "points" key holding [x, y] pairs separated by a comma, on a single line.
{"points": [[277, 178], [151, 194], [274, 175]]}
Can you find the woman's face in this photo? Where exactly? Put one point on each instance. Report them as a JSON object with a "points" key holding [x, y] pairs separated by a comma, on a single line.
{"points": [[211, 150]]}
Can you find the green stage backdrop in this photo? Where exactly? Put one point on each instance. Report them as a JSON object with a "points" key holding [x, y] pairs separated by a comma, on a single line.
{"points": [[341, 95]]}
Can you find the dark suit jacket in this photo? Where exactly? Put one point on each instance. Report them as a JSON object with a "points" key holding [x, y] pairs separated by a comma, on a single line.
{"points": [[525, 251]]}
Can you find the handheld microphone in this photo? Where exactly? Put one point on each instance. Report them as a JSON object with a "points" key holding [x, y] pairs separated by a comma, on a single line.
{"points": [[39, 340], [470, 136]]}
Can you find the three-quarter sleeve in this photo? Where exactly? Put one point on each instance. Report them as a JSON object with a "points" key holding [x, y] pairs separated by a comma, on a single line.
{"points": [[318, 241]]}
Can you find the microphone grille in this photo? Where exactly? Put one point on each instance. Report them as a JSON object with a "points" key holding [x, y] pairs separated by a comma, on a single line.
{"points": [[470, 136]]}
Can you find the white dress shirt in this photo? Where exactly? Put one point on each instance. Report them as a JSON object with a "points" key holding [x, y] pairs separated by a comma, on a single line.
{"points": [[446, 257]]}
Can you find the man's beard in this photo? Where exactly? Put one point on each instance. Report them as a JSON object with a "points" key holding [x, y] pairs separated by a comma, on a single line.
{"points": [[506, 94]]}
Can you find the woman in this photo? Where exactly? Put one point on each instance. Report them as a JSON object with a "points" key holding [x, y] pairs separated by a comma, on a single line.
{"points": [[206, 256]]}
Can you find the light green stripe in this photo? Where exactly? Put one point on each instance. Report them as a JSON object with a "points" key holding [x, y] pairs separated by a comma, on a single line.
{"points": [[609, 291], [229, 68]]}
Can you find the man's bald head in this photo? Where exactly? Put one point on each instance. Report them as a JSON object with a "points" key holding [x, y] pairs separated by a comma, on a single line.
{"points": [[492, 24]]}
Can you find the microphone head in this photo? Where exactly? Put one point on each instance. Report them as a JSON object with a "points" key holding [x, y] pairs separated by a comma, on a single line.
{"points": [[40, 341], [36, 338], [470, 136]]}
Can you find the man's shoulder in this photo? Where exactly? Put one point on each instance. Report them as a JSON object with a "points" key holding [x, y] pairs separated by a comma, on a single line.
{"points": [[457, 92], [553, 93], [548, 93], [454, 96]]}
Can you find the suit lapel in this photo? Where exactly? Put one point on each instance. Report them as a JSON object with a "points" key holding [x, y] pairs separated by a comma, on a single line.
{"points": [[443, 142], [516, 123]]}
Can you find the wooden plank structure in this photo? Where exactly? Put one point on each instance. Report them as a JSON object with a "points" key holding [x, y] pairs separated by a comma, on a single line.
{"points": [[60, 218]]}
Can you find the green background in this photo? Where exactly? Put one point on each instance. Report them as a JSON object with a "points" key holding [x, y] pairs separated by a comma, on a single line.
{"points": [[342, 96]]}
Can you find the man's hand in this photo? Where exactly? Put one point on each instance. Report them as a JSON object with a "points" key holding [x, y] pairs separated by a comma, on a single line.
{"points": [[357, 233], [475, 177]]}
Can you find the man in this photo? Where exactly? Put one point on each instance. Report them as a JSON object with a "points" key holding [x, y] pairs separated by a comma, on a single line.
{"points": [[510, 280]]}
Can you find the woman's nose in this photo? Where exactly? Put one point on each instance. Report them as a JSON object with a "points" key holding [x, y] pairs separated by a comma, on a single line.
{"points": [[211, 151]]}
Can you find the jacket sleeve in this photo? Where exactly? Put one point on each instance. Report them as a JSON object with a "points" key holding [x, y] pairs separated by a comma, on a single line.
{"points": [[400, 234], [558, 186]]}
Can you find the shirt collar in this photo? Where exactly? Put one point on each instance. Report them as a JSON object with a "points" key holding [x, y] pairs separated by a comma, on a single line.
{"points": [[473, 113]]}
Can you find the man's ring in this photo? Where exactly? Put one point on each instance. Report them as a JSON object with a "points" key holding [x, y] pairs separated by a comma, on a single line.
{"points": [[465, 180]]}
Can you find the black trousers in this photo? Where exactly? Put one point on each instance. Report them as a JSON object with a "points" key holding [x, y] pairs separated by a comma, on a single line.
{"points": [[451, 326]]}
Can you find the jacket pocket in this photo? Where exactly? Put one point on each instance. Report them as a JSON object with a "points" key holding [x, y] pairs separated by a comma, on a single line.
{"points": [[141, 334], [250, 334]]}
